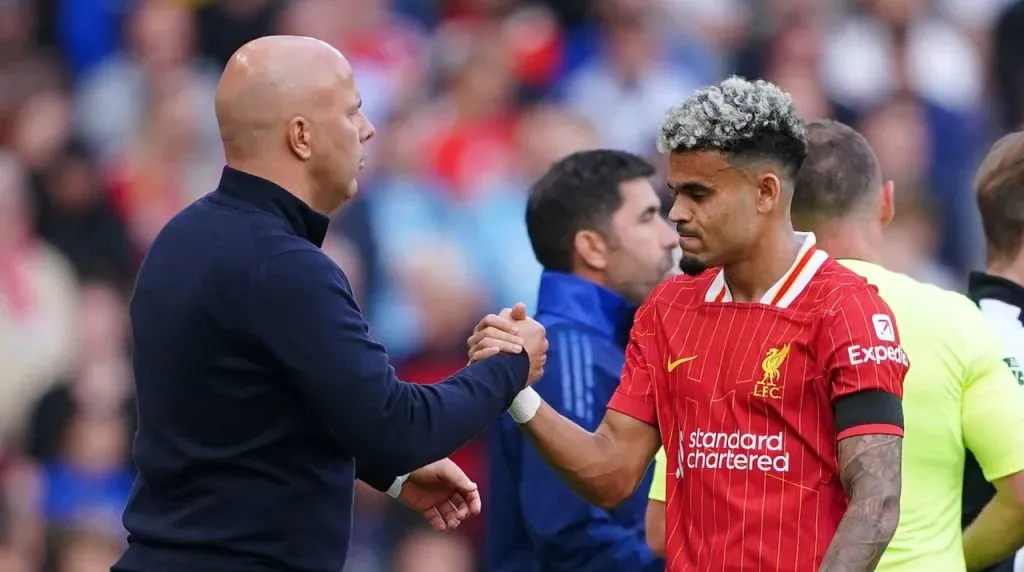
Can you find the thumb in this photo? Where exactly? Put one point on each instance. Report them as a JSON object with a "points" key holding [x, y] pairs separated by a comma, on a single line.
{"points": [[518, 311]]}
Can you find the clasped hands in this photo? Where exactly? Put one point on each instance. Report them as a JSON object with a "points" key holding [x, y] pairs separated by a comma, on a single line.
{"points": [[441, 491], [511, 331]]}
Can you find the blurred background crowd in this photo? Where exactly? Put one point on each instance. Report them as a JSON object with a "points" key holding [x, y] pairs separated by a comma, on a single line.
{"points": [[107, 129]]}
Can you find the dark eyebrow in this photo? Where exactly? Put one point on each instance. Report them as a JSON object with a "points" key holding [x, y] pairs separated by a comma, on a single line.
{"points": [[651, 210], [689, 187]]}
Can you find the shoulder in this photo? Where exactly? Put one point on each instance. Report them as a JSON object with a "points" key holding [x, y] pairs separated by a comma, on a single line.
{"points": [[682, 290], [837, 289], [296, 263], [911, 299]]}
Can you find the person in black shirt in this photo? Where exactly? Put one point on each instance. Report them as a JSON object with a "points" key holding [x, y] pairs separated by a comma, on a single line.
{"points": [[261, 395], [999, 294]]}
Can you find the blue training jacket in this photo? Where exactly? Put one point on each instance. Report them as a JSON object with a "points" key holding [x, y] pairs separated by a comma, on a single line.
{"points": [[536, 523]]}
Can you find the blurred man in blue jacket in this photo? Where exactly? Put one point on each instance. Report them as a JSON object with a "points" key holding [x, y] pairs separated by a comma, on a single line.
{"points": [[595, 223]]}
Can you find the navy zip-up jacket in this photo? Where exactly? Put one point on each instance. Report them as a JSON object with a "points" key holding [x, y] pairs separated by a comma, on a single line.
{"points": [[536, 523], [262, 396]]}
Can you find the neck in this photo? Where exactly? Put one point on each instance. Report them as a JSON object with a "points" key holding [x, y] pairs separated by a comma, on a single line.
{"points": [[850, 239], [295, 182], [751, 277], [589, 274], [1012, 270]]}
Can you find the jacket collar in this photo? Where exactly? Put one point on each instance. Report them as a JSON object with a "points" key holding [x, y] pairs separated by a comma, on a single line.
{"points": [[982, 286], [269, 197], [585, 302]]}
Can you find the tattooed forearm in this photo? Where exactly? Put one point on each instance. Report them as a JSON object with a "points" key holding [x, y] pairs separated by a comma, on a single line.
{"points": [[869, 466]]}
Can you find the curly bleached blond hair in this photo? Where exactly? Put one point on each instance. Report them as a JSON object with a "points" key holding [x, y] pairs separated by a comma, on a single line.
{"points": [[740, 118]]}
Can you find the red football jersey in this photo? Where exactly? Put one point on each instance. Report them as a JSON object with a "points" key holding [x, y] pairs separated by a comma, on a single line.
{"points": [[742, 395]]}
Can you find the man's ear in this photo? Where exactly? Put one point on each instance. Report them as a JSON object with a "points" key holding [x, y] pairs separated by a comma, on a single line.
{"points": [[769, 193], [300, 138], [592, 249], [888, 203]]}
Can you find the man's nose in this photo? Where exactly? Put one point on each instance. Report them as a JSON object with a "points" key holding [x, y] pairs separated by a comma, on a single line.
{"points": [[667, 235], [368, 131], [680, 213]]}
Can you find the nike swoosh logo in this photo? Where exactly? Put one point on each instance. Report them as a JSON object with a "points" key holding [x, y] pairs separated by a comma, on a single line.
{"points": [[674, 364]]}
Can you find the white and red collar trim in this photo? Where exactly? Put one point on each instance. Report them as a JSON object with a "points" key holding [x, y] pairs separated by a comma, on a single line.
{"points": [[808, 260]]}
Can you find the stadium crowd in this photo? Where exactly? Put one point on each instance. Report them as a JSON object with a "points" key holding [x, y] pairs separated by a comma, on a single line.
{"points": [[106, 127]]}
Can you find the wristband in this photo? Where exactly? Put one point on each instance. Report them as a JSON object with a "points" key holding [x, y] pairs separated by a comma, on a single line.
{"points": [[396, 487], [525, 405]]}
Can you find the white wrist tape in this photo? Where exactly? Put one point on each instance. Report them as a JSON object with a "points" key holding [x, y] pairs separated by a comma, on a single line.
{"points": [[396, 487], [525, 405]]}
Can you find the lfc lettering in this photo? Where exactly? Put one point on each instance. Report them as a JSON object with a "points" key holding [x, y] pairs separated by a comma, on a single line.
{"points": [[767, 390]]}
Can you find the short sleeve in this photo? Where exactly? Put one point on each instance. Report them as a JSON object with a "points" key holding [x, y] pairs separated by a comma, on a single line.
{"points": [[865, 365], [660, 476], [635, 395], [993, 405], [862, 347]]}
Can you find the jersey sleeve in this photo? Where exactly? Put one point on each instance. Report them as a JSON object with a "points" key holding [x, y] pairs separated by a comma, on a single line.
{"points": [[657, 492], [865, 365], [992, 414], [635, 395]]}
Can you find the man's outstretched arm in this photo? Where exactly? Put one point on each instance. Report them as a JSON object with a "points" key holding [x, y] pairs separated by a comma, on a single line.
{"points": [[603, 467], [606, 466], [304, 314], [869, 466]]}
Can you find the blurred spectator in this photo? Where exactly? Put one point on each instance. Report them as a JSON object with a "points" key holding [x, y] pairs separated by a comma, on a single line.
{"points": [[88, 481], [388, 53], [497, 214], [165, 166], [75, 214], [101, 381], [474, 118], [1007, 45], [117, 99], [36, 303], [81, 548], [41, 129], [72, 211], [427, 552], [627, 89], [23, 69], [861, 65], [536, 46], [225, 25], [86, 30]]}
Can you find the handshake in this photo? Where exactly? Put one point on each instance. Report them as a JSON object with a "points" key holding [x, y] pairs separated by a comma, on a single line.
{"points": [[511, 331]]}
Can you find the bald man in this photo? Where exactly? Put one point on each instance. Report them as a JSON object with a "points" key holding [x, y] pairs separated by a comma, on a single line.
{"points": [[261, 395]]}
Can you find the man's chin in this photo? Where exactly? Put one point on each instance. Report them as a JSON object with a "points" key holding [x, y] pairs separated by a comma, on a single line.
{"points": [[691, 266], [352, 189]]}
